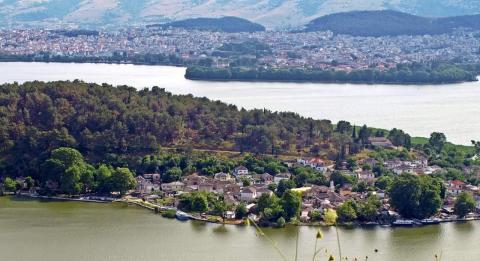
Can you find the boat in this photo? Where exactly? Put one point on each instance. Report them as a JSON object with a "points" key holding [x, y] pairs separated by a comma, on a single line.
{"points": [[430, 221], [180, 215], [403, 223]]}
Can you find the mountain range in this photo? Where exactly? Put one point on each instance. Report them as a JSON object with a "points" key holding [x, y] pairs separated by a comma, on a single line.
{"points": [[391, 23], [270, 13]]}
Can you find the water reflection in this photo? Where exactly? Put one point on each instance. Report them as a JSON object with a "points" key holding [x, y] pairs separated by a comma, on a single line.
{"points": [[98, 231]]}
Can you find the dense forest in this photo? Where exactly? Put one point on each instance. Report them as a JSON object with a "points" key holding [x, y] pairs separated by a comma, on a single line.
{"points": [[228, 24], [435, 73], [91, 138], [389, 23], [102, 121]]}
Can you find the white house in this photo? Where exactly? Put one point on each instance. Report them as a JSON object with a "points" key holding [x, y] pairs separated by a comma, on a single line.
{"points": [[144, 186], [240, 171], [455, 187], [222, 176], [367, 176], [281, 176], [261, 191], [153, 177], [173, 186], [248, 194]]}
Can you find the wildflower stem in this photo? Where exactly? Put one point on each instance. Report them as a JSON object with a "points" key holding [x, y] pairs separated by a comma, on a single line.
{"points": [[338, 242], [273, 243], [296, 244]]}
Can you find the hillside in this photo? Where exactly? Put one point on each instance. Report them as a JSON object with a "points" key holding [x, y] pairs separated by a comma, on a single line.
{"points": [[103, 121], [223, 24], [383, 23], [272, 14]]}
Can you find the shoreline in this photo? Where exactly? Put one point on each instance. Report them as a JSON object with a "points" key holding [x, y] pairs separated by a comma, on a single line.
{"points": [[96, 62], [156, 209], [56, 198], [330, 82], [186, 66]]}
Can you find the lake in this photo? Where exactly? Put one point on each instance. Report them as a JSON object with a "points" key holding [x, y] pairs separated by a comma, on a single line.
{"points": [[76, 231], [453, 109]]}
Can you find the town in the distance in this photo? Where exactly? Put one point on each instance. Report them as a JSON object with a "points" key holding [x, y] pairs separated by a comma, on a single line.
{"points": [[411, 49]]}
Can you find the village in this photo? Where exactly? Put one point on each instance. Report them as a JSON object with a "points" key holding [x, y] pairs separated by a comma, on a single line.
{"points": [[242, 186]]}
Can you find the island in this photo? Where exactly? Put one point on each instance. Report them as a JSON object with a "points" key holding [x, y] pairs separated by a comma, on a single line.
{"points": [[402, 74], [192, 158]]}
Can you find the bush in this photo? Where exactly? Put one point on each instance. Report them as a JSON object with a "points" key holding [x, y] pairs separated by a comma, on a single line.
{"points": [[280, 222], [316, 215], [170, 213]]}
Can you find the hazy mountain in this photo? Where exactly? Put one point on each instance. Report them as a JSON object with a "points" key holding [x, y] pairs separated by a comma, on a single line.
{"points": [[382, 23], [271, 13]]}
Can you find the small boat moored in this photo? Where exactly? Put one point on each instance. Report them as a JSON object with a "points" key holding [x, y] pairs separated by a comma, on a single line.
{"points": [[180, 215], [430, 221], [403, 223]]}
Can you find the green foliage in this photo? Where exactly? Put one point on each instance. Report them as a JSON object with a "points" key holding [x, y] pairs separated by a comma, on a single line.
{"points": [[416, 197], [400, 138], [169, 213], [195, 201], [280, 222], [246, 182], [344, 127], [271, 208], [476, 145], [220, 207], [403, 73], [291, 202], [68, 168], [262, 164], [330, 217], [30, 182], [315, 215], [122, 180], [285, 185], [241, 211], [368, 210], [364, 134], [266, 201], [388, 23], [103, 175], [227, 24], [384, 182], [10, 185], [437, 141], [464, 204], [450, 156], [341, 179], [171, 175], [119, 125], [347, 212]]}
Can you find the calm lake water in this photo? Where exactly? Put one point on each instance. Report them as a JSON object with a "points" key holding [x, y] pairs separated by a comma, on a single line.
{"points": [[453, 109], [58, 231]]}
